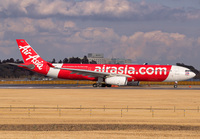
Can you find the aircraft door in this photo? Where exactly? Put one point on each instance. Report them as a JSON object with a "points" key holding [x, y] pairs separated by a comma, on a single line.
{"points": [[176, 73]]}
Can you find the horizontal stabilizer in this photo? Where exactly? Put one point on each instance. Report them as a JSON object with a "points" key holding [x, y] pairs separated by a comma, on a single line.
{"points": [[30, 66]]}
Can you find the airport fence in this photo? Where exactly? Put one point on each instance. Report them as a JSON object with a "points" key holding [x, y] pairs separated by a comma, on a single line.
{"points": [[99, 112], [77, 82]]}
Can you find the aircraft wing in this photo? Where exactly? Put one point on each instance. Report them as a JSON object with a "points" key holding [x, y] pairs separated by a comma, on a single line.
{"points": [[90, 73]]}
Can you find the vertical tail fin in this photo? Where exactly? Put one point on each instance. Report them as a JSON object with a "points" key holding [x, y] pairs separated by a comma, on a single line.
{"points": [[30, 56]]}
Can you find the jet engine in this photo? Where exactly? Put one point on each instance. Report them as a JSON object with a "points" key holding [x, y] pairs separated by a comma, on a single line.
{"points": [[116, 80]]}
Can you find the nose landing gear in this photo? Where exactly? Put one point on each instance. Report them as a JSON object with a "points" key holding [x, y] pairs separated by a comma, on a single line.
{"points": [[175, 84]]}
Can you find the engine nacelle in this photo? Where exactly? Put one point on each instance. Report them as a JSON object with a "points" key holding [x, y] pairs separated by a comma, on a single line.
{"points": [[116, 80]]}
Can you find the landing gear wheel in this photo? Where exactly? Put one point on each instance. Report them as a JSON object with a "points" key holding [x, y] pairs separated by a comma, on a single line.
{"points": [[99, 85], [94, 85], [175, 84], [108, 85], [103, 85]]}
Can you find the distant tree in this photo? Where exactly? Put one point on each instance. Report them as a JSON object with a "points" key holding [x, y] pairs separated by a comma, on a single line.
{"points": [[17, 73], [93, 62], [65, 60], [85, 60], [53, 61], [12, 60], [71, 60], [19, 61], [4, 61], [74, 60]]}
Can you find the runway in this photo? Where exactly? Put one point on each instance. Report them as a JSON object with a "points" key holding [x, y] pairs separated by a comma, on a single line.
{"points": [[74, 86]]}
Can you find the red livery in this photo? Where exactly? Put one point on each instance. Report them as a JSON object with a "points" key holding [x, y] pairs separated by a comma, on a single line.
{"points": [[104, 74]]}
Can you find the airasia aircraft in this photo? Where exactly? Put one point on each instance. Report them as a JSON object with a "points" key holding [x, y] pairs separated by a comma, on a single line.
{"points": [[104, 74]]}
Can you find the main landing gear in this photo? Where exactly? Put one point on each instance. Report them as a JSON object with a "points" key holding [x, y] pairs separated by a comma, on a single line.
{"points": [[175, 84], [101, 85]]}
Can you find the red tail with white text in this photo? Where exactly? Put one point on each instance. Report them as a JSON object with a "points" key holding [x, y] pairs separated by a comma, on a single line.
{"points": [[31, 59]]}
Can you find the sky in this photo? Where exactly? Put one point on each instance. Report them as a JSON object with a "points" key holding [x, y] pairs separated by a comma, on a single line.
{"points": [[151, 31]]}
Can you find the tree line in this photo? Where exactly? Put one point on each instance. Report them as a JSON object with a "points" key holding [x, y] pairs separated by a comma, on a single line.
{"points": [[9, 71], [84, 60]]}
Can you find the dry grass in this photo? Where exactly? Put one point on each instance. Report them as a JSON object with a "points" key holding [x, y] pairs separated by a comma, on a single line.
{"points": [[151, 113], [132, 134]]}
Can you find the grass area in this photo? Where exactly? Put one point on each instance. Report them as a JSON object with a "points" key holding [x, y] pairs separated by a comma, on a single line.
{"points": [[103, 113]]}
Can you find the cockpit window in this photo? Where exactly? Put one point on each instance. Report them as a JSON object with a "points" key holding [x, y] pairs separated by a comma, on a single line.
{"points": [[187, 72]]}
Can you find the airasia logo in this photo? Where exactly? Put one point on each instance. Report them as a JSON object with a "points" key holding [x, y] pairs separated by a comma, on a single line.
{"points": [[132, 70], [33, 58]]}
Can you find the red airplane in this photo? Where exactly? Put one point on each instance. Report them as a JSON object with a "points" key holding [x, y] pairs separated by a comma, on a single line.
{"points": [[104, 74]]}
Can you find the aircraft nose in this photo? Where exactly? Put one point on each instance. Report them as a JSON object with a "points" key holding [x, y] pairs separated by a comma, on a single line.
{"points": [[192, 74]]}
